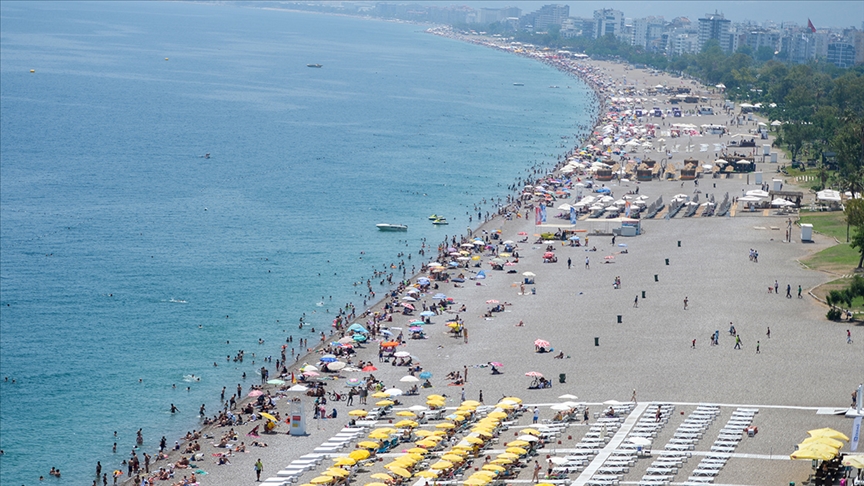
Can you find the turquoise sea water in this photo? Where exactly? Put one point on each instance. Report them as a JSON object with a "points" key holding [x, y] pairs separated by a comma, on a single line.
{"points": [[122, 249]]}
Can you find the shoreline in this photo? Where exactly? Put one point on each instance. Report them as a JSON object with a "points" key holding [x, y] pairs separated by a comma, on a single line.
{"points": [[488, 225], [378, 304]]}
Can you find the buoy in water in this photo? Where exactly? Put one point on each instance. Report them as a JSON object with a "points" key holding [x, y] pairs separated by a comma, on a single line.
{"points": [[32, 70], [166, 58]]}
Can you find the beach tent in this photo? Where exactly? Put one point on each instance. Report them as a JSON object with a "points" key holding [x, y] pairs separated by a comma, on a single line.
{"points": [[480, 275]]}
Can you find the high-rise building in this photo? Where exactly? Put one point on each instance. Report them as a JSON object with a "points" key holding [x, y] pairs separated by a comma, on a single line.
{"points": [[492, 15], [763, 38], [841, 54], [715, 26], [608, 21], [647, 30], [550, 15], [858, 42]]}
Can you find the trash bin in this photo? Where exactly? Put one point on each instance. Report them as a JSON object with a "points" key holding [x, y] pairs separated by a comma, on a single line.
{"points": [[596, 341], [533, 290], [643, 294], [679, 243], [667, 261], [655, 278], [562, 377], [619, 319]]}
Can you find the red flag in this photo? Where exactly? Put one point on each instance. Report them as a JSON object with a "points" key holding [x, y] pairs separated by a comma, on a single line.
{"points": [[810, 26]]}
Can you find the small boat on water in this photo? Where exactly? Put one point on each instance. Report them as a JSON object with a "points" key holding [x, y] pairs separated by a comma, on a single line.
{"points": [[314, 65], [440, 221], [518, 84], [392, 227], [435, 216]]}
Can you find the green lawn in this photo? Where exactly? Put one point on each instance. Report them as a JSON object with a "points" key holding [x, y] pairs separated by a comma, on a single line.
{"points": [[839, 284], [831, 223]]}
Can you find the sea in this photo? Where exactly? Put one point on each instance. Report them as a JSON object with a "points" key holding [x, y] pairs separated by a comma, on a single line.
{"points": [[131, 263]]}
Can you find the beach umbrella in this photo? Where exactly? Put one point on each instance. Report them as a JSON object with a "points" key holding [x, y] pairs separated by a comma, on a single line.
{"points": [[518, 443], [528, 438], [393, 392], [822, 440], [353, 382], [406, 413], [425, 375], [471, 403], [426, 474], [828, 432], [385, 403], [377, 483], [343, 461], [336, 472], [402, 424], [402, 354], [568, 396], [368, 444], [409, 379], [369, 368], [360, 454], [427, 314], [497, 468], [531, 431], [298, 388], [268, 416], [322, 480], [400, 471], [534, 374], [255, 393], [639, 441], [275, 382], [384, 476], [358, 413], [445, 425], [508, 455], [814, 451], [540, 343], [516, 450], [856, 461]]}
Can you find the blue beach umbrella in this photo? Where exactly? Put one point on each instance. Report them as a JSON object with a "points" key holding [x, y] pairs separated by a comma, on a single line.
{"points": [[353, 382], [427, 313], [416, 323], [439, 296], [425, 375], [423, 281], [359, 338], [357, 328], [328, 359]]}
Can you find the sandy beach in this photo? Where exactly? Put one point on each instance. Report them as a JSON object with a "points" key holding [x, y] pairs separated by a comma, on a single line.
{"points": [[803, 373]]}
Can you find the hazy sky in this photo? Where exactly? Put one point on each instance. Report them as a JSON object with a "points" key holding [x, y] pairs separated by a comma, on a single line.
{"points": [[823, 13]]}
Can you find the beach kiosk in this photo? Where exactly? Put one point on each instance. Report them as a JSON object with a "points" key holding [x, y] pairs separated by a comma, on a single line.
{"points": [[806, 232], [298, 417]]}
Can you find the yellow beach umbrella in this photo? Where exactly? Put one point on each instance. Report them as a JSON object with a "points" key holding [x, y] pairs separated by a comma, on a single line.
{"points": [[497, 415], [452, 458], [485, 472], [379, 435], [383, 476], [406, 424], [471, 403], [358, 413], [477, 481], [385, 403], [386, 430], [436, 397], [501, 461], [474, 440], [336, 472], [360, 454], [856, 460], [545, 484], [438, 433], [505, 406], [343, 461], [424, 433], [494, 467], [400, 471], [508, 455], [418, 450], [815, 451], [406, 413], [482, 432], [426, 443], [827, 432], [378, 483], [531, 431], [445, 426], [516, 450], [268, 416], [518, 443], [380, 394], [441, 465], [368, 444], [821, 440], [511, 399], [426, 474], [322, 480]]}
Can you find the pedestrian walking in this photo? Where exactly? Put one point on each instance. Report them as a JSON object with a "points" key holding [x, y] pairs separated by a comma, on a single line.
{"points": [[633, 397], [693, 344], [799, 292], [481, 397], [636, 302], [788, 291], [536, 415], [463, 394], [737, 342], [569, 262], [536, 476], [259, 466], [776, 286], [757, 347], [587, 263], [769, 332], [848, 336], [585, 416], [685, 302]]}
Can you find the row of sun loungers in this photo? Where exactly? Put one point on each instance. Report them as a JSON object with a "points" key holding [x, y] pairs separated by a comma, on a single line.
{"points": [[723, 447], [291, 473]]}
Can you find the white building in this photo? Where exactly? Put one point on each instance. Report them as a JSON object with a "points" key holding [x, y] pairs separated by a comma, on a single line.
{"points": [[608, 21]]}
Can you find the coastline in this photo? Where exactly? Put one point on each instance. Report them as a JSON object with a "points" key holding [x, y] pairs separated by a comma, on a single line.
{"points": [[375, 306], [495, 223]]}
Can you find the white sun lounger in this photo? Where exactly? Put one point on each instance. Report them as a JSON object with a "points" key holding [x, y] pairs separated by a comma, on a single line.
{"points": [[679, 447], [705, 472]]}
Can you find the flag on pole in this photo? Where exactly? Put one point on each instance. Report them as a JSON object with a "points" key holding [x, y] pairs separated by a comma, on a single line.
{"points": [[537, 215], [542, 213], [572, 215], [811, 26]]}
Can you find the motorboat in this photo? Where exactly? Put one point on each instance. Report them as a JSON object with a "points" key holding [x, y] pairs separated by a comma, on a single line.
{"points": [[314, 65], [435, 216], [440, 221], [518, 84], [392, 227]]}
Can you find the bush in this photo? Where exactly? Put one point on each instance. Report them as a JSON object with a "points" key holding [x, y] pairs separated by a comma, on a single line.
{"points": [[834, 314]]}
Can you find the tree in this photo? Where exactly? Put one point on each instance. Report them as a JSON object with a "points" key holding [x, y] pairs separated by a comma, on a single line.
{"points": [[849, 145], [855, 217]]}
